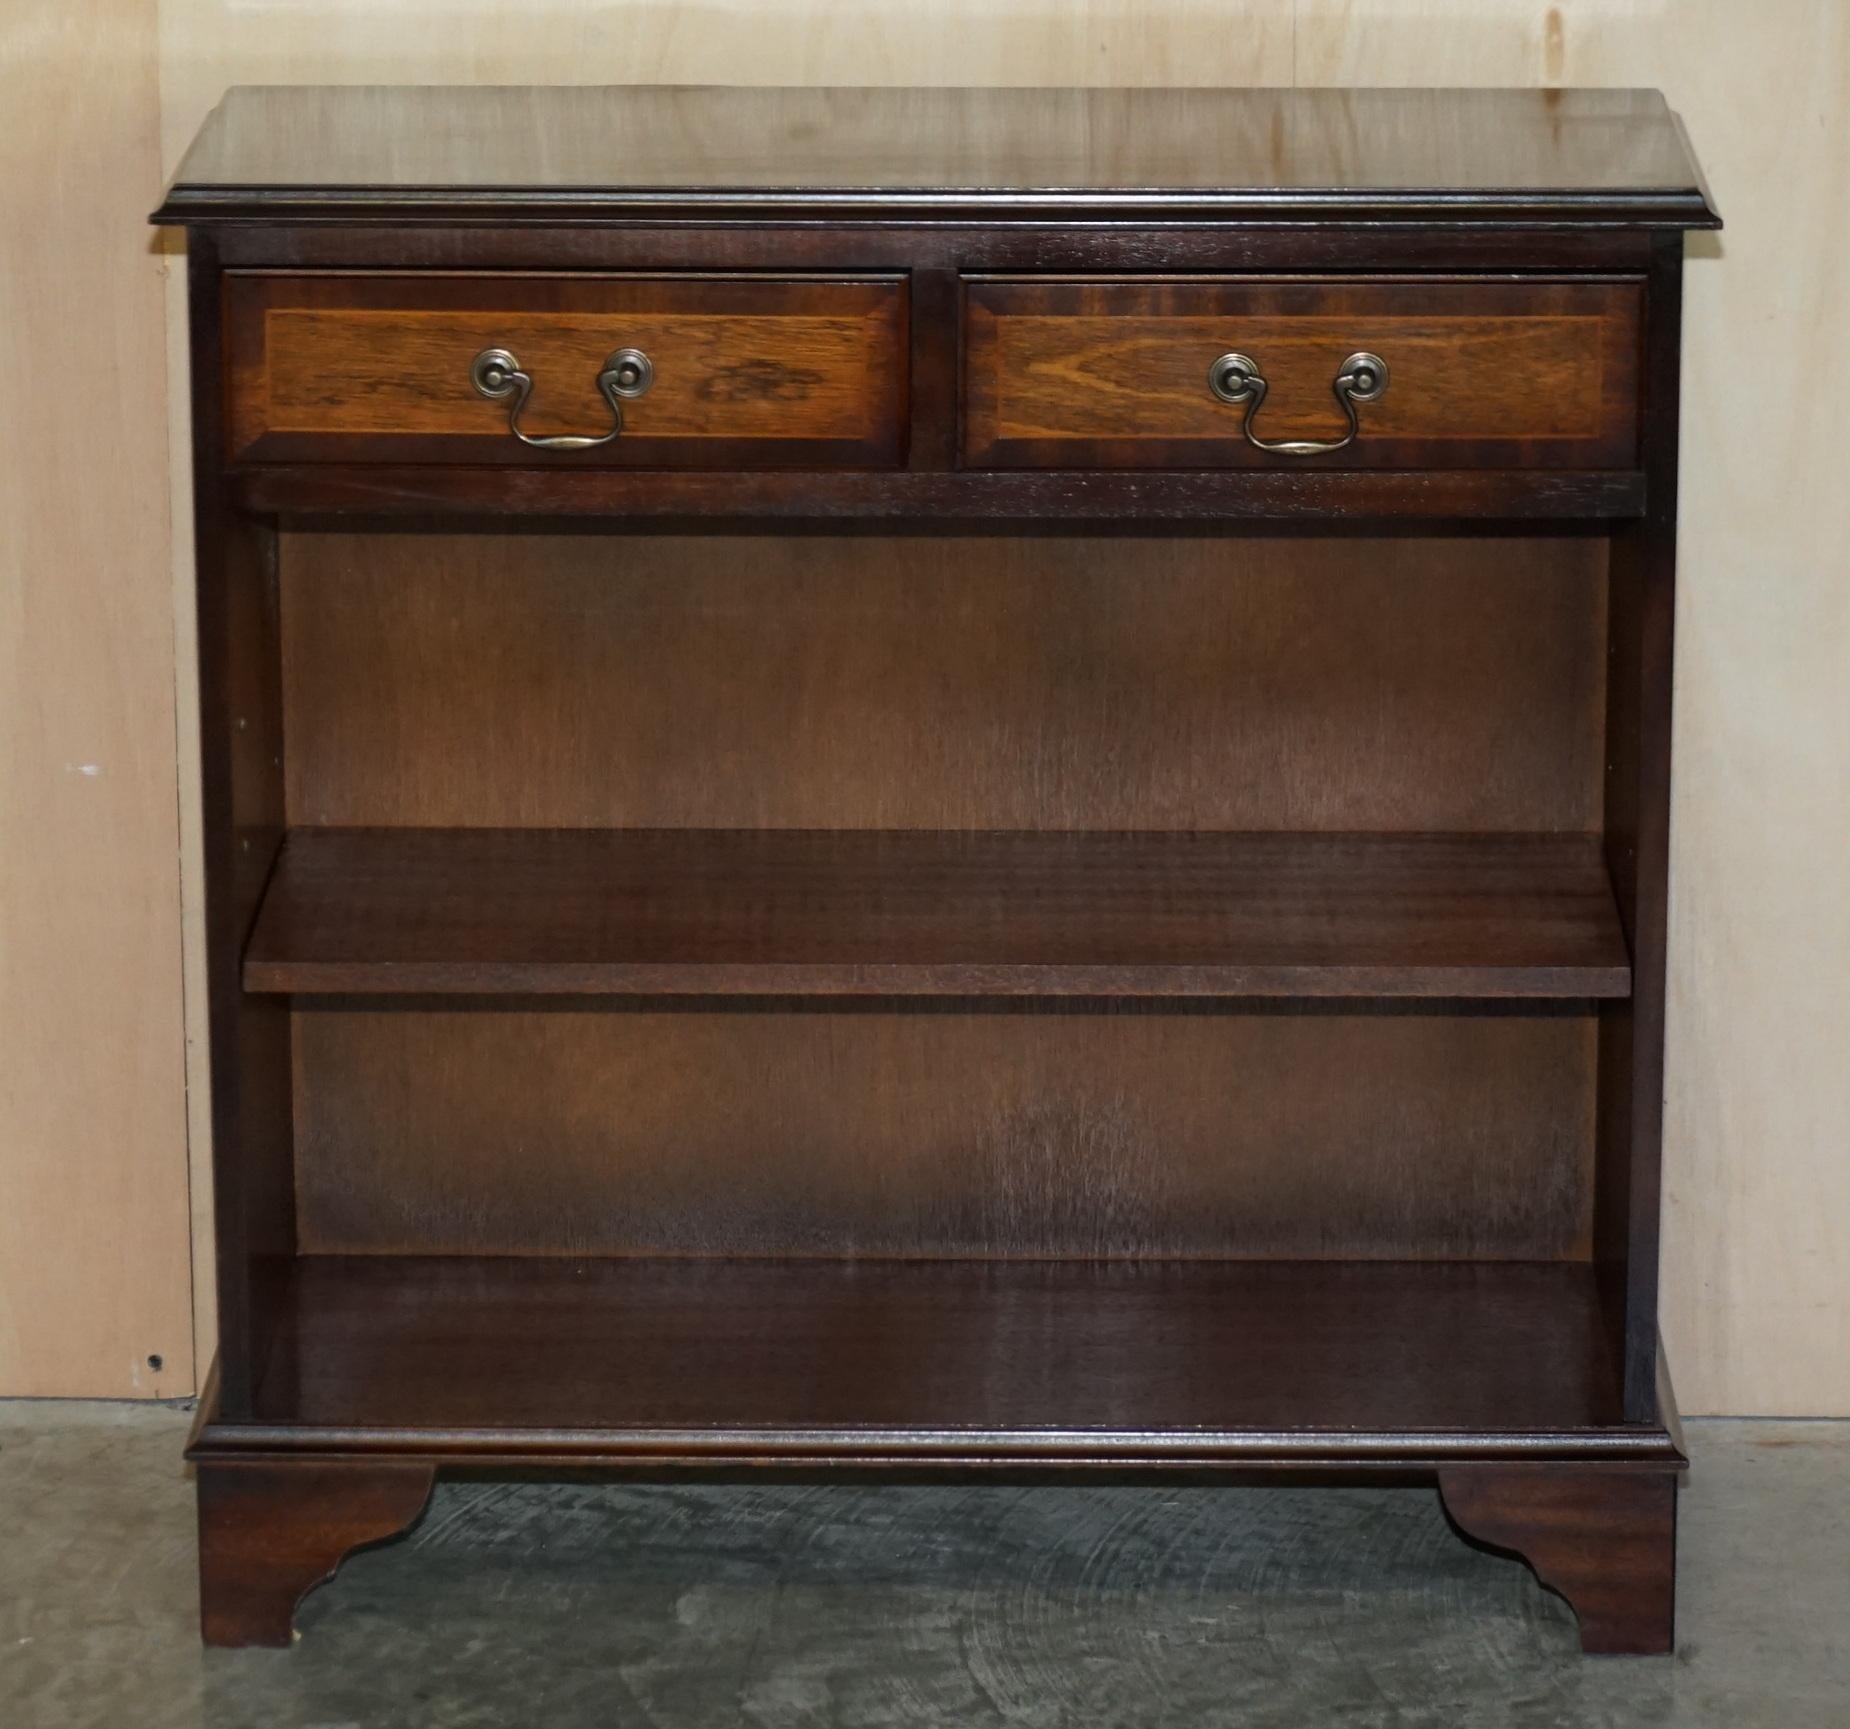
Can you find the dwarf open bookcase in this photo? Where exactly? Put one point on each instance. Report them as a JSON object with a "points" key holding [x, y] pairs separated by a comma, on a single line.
{"points": [[932, 781]]}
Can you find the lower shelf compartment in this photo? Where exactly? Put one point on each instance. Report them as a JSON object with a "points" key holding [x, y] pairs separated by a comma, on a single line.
{"points": [[940, 1362]]}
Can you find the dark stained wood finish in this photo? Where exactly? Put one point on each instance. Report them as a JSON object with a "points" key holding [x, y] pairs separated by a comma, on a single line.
{"points": [[1302, 684], [1364, 1236], [1204, 501], [750, 371], [936, 306], [1340, 1131], [853, 913], [1471, 158], [270, 1533], [1606, 1540], [1136, 1361], [1113, 373], [241, 775], [952, 247], [1640, 678]]}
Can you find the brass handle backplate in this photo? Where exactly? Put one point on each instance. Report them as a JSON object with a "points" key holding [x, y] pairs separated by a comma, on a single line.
{"points": [[497, 375], [1236, 378]]}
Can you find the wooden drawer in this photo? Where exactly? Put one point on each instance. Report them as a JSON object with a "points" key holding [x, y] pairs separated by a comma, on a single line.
{"points": [[1481, 373], [745, 371]]}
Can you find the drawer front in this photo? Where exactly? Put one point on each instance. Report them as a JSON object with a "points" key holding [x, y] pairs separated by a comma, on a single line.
{"points": [[742, 372], [1115, 373]]}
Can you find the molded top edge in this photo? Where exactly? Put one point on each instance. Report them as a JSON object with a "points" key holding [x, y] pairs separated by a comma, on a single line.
{"points": [[708, 153]]}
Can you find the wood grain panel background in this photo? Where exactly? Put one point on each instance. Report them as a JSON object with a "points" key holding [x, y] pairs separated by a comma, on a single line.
{"points": [[729, 1133], [921, 682], [1757, 1266]]}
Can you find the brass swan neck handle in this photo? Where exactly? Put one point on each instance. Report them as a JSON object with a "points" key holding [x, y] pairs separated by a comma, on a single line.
{"points": [[497, 375], [1236, 378]]}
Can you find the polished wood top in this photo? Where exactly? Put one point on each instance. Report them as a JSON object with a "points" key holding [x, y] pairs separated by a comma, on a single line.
{"points": [[705, 153]]}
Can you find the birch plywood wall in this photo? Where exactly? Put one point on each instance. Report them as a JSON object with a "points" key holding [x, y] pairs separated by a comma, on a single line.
{"points": [[1757, 1274], [95, 1283]]}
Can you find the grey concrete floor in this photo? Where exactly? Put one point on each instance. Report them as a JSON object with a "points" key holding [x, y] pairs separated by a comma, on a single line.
{"points": [[559, 1606]]}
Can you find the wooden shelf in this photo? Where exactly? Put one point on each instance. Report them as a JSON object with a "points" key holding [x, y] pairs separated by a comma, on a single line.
{"points": [[860, 913], [1075, 1360]]}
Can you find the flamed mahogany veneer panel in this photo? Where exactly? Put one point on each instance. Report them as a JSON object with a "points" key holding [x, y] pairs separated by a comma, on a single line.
{"points": [[562, 681], [863, 912], [1113, 373], [750, 371], [1436, 1133], [811, 1357]]}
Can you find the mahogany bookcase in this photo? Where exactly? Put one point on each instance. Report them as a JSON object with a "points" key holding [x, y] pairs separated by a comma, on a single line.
{"points": [[937, 781]]}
